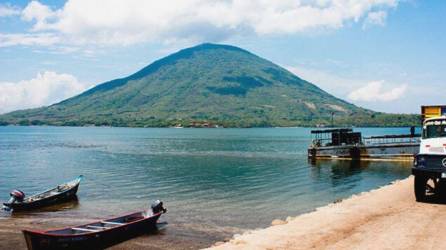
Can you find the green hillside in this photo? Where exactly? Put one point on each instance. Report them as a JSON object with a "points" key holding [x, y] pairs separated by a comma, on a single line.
{"points": [[214, 84]]}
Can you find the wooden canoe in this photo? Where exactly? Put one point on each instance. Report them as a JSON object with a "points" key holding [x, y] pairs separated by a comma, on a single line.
{"points": [[60, 193], [96, 235]]}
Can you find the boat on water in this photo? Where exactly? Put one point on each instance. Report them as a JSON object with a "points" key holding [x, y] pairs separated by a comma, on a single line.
{"points": [[60, 193], [344, 143], [99, 234]]}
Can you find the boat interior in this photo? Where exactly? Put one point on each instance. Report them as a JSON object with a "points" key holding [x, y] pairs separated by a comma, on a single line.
{"points": [[100, 225], [57, 190]]}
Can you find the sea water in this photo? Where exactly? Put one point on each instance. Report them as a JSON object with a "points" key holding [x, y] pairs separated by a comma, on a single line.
{"points": [[214, 182]]}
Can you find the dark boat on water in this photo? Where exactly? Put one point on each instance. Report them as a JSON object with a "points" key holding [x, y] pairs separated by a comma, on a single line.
{"points": [[96, 235], [62, 192]]}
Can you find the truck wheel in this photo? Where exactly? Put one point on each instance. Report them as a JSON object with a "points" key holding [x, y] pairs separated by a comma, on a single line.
{"points": [[420, 186]]}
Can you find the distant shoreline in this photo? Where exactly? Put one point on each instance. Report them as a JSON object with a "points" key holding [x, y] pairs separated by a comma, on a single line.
{"points": [[93, 126]]}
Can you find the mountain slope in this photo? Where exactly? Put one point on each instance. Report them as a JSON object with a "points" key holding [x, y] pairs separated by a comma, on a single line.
{"points": [[219, 84]]}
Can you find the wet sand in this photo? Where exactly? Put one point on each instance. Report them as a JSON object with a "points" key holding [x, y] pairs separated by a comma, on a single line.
{"points": [[385, 218], [173, 237]]}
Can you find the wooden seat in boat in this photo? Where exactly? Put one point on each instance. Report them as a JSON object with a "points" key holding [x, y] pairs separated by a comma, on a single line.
{"points": [[112, 223], [97, 227], [85, 229]]}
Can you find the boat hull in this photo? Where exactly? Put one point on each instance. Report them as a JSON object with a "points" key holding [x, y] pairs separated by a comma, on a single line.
{"points": [[396, 151], [61, 197], [96, 240]]}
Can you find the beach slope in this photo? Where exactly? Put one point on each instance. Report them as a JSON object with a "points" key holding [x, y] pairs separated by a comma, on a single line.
{"points": [[385, 218]]}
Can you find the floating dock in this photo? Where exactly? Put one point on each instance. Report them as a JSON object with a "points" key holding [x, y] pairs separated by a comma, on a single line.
{"points": [[348, 145]]}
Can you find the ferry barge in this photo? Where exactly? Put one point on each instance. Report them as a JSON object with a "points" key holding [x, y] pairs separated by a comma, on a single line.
{"points": [[344, 143]]}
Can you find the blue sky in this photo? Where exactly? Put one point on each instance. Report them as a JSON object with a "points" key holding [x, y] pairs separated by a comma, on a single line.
{"points": [[386, 55]]}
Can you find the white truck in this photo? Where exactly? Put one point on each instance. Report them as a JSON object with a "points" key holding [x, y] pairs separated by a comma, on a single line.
{"points": [[429, 166]]}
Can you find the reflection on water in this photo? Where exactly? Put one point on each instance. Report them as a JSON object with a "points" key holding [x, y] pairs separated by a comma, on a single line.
{"points": [[352, 173], [213, 181]]}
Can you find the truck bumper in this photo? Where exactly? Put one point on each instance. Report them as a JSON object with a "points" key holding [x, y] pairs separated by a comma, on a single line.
{"points": [[431, 173]]}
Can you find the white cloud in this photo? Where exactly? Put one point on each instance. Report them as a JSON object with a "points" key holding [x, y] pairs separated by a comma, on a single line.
{"points": [[374, 91], [124, 22], [41, 39], [40, 13], [410, 96], [7, 10], [375, 18], [332, 83], [46, 88]]}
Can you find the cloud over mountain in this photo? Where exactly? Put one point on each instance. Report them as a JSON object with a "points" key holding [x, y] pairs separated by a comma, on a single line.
{"points": [[124, 22], [46, 88], [374, 91]]}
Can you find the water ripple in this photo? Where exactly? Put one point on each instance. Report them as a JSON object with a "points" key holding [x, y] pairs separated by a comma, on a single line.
{"points": [[217, 180]]}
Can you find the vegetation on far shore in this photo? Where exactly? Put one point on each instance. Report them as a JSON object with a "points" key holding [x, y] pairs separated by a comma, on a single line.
{"points": [[377, 120], [205, 86]]}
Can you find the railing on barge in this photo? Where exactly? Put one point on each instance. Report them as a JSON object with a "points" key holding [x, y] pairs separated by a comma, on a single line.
{"points": [[335, 137], [344, 143], [391, 139]]}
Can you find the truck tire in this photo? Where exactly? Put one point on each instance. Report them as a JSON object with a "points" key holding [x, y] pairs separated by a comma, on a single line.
{"points": [[420, 187]]}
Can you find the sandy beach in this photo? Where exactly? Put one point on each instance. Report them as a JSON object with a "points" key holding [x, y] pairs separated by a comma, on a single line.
{"points": [[175, 238], [385, 218]]}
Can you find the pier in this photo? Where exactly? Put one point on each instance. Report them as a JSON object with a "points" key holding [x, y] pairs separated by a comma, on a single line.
{"points": [[346, 144]]}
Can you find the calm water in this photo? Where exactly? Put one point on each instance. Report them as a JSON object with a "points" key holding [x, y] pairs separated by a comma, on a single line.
{"points": [[214, 181]]}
